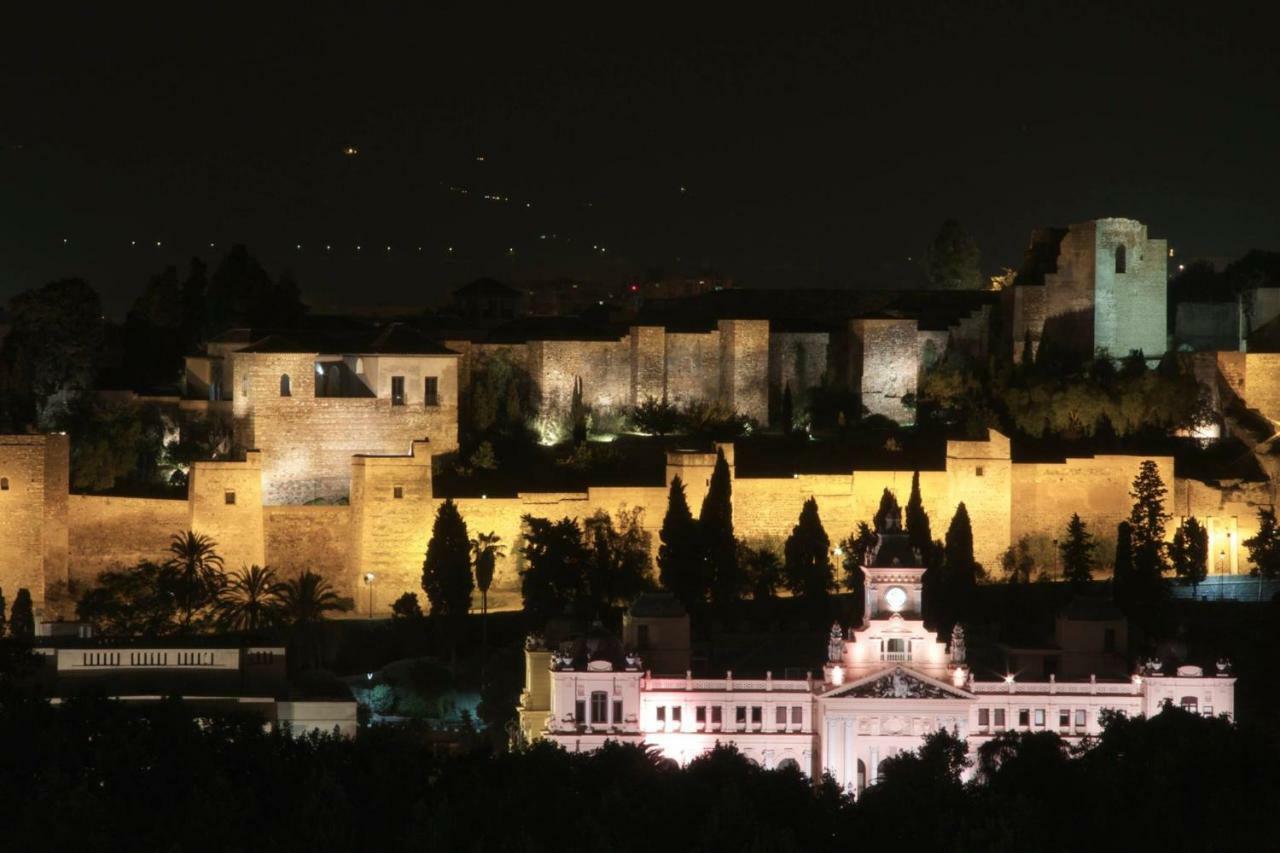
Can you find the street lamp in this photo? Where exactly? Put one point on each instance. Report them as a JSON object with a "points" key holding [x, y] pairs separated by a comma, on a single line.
{"points": [[368, 581]]}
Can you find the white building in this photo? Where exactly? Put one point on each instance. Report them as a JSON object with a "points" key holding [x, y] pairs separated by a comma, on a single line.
{"points": [[886, 684]]}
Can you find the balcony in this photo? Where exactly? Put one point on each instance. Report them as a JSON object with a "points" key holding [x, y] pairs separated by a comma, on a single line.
{"points": [[895, 657]]}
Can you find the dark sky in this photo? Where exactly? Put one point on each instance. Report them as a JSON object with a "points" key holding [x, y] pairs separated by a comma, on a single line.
{"points": [[812, 151]]}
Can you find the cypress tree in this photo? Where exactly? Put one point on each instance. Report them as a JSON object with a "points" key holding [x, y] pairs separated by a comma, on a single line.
{"points": [[1264, 546], [787, 410], [681, 568], [22, 619], [917, 523], [1147, 520], [888, 516], [1122, 573], [715, 523], [1190, 553], [446, 571], [807, 557], [960, 572]]}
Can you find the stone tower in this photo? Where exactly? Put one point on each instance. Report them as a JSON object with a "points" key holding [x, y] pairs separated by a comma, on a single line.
{"points": [[34, 477]]}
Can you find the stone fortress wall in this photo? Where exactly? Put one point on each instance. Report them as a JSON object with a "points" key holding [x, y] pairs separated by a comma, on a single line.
{"points": [[384, 530]]}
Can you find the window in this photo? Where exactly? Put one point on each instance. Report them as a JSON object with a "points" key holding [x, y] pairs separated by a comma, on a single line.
{"points": [[1109, 640], [740, 715], [4, 484], [978, 471], [1064, 718], [757, 714], [677, 713], [1120, 258], [579, 712], [716, 715], [617, 712], [662, 715], [397, 492], [780, 716], [700, 715], [1080, 718], [1039, 716], [1191, 704], [999, 718], [797, 715], [286, 389], [1207, 710], [230, 497], [984, 718], [599, 707], [397, 390], [431, 391], [1024, 716]]}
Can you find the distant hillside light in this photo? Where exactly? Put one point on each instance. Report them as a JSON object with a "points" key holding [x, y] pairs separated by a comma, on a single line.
{"points": [[351, 151]]}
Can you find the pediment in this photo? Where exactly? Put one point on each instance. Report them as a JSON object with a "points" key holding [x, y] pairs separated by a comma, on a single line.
{"points": [[897, 683]]}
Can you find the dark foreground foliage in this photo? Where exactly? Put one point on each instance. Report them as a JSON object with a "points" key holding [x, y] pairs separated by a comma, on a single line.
{"points": [[97, 775]]}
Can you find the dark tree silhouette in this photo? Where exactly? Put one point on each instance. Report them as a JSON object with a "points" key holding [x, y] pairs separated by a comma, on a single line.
{"points": [[553, 580], [807, 557], [22, 619], [715, 523], [197, 570], [1189, 553], [960, 572], [681, 564], [250, 601], [916, 521], [1122, 572], [951, 261], [1077, 549], [1264, 546], [788, 410], [446, 572]]}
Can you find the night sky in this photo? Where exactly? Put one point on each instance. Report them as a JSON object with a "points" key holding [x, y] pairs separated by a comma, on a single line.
{"points": [[780, 151]]}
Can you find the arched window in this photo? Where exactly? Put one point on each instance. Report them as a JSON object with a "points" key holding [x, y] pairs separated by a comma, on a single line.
{"points": [[285, 389], [862, 776], [788, 764], [1120, 258], [4, 484]]}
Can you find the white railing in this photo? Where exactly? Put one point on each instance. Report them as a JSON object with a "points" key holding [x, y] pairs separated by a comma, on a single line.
{"points": [[895, 656], [793, 685], [1059, 688]]}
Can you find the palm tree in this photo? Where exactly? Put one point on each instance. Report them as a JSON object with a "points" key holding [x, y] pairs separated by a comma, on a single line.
{"points": [[304, 602], [251, 600], [197, 569], [485, 552]]}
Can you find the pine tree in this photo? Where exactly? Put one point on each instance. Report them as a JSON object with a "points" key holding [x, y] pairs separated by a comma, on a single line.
{"points": [[1122, 573], [22, 619], [807, 557], [1264, 546], [1190, 553], [446, 572], [1077, 550], [917, 523], [715, 523], [1147, 520], [787, 411], [681, 567]]}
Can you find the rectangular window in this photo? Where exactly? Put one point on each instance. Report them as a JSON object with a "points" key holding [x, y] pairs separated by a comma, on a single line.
{"points": [[676, 713], [229, 497], [984, 718], [700, 715], [780, 716], [617, 712], [999, 718], [1024, 716], [1207, 710], [1080, 718], [580, 712], [978, 471], [1064, 719], [662, 713], [431, 391], [716, 715], [757, 714], [599, 707], [797, 715], [740, 715], [1039, 716], [397, 390], [398, 492]]}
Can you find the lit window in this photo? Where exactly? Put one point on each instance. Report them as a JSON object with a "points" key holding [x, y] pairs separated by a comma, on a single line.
{"points": [[599, 707], [1207, 710], [1039, 716], [229, 497], [1190, 703], [1080, 718]]}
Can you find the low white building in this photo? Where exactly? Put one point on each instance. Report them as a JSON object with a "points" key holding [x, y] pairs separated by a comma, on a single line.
{"points": [[885, 686]]}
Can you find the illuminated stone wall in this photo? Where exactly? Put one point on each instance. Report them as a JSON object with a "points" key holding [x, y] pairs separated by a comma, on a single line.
{"points": [[603, 366], [107, 533], [311, 539], [392, 511], [225, 502], [33, 514], [1262, 383], [883, 363], [798, 359], [1129, 307], [648, 363], [744, 367], [308, 441], [693, 366]]}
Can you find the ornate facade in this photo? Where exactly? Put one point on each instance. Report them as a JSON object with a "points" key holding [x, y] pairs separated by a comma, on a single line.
{"points": [[886, 684]]}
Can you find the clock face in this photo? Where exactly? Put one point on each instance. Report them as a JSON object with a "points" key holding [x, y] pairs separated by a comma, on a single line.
{"points": [[896, 598]]}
